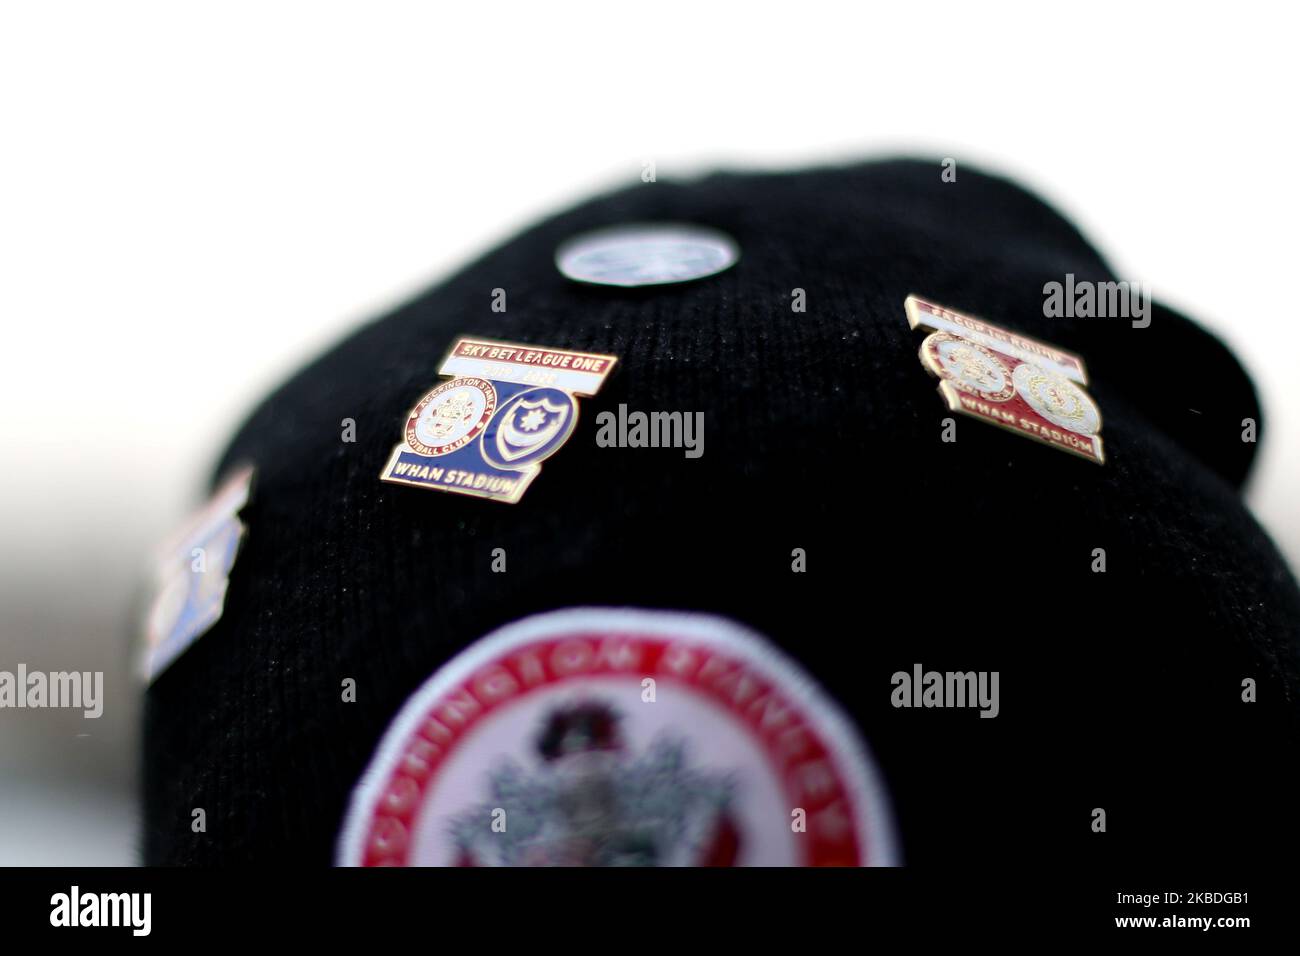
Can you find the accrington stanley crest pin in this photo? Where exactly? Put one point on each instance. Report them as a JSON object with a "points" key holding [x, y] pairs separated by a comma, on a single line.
{"points": [[1009, 380], [486, 431]]}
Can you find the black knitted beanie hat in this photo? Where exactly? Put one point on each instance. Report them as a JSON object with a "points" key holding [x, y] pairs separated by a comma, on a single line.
{"points": [[660, 656]]}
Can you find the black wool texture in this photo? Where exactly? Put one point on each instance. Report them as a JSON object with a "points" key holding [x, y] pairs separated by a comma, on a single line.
{"points": [[1119, 690]]}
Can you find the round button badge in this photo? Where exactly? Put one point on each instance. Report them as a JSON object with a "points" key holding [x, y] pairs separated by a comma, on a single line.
{"points": [[646, 254]]}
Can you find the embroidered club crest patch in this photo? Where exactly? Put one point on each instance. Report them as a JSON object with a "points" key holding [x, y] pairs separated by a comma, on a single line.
{"points": [[486, 431], [192, 574], [615, 737], [1009, 380]]}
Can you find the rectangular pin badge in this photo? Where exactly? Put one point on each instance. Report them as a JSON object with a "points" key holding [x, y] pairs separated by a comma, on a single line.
{"points": [[1009, 380], [192, 574], [486, 430]]}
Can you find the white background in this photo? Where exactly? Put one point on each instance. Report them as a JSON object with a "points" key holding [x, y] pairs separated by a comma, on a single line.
{"points": [[196, 198]]}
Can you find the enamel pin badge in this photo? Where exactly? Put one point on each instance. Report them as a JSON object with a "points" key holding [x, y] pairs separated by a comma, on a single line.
{"points": [[192, 574], [1009, 380], [486, 431]]}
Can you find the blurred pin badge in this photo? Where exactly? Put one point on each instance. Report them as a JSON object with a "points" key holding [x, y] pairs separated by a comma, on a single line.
{"points": [[1009, 380], [505, 409], [646, 254], [192, 574]]}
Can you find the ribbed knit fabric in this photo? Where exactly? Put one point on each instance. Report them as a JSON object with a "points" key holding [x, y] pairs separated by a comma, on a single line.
{"points": [[1119, 690]]}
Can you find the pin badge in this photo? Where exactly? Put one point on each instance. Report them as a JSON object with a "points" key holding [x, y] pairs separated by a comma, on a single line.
{"points": [[487, 430], [192, 575], [1009, 380], [646, 254]]}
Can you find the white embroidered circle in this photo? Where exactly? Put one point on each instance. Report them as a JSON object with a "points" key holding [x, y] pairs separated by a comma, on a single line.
{"points": [[599, 736]]}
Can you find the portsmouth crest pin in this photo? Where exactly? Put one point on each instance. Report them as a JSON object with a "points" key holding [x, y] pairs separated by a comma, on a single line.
{"points": [[486, 431], [1009, 380]]}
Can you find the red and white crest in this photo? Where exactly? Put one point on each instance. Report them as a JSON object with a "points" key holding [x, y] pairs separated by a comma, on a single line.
{"points": [[606, 737], [1010, 380]]}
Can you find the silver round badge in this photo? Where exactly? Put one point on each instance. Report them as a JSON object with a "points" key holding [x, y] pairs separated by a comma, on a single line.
{"points": [[646, 254]]}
